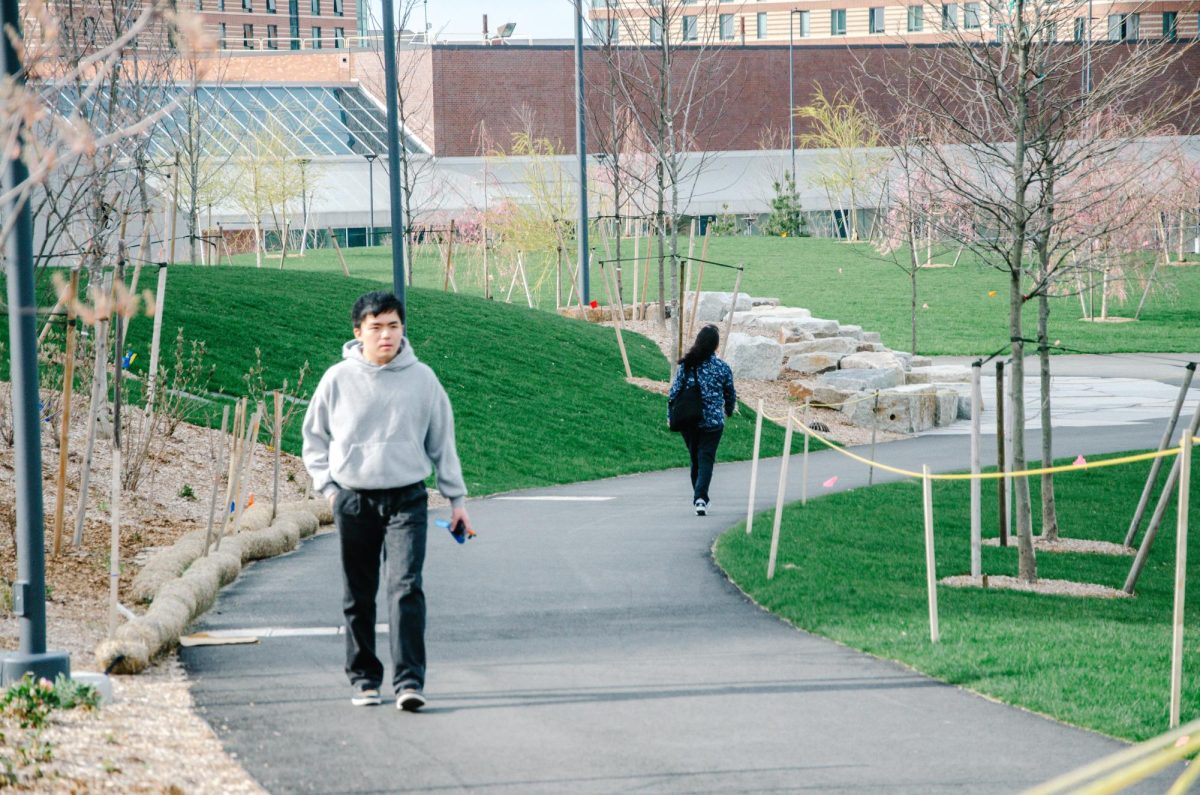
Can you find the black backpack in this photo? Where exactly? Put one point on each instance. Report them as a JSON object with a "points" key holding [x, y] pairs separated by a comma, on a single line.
{"points": [[687, 409]]}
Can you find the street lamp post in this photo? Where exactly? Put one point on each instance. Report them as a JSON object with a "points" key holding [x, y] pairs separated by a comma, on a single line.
{"points": [[393, 148], [29, 590], [581, 147], [371, 188], [791, 88]]}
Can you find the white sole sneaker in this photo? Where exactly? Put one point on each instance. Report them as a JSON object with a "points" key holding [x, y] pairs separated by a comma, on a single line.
{"points": [[701, 508], [367, 698], [410, 701]]}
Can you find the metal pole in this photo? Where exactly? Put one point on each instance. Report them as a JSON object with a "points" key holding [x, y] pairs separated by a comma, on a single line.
{"points": [[783, 469], [930, 560], [371, 188], [791, 90], [395, 161], [29, 591], [581, 148]]}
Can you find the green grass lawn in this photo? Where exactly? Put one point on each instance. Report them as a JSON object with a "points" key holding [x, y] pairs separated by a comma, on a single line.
{"points": [[538, 399], [851, 283], [851, 567]]}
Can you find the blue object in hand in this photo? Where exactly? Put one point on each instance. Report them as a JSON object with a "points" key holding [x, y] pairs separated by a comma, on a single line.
{"points": [[461, 536]]}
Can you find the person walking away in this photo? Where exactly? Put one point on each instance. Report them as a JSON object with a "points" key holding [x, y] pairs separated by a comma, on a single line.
{"points": [[701, 365], [378, 424]]}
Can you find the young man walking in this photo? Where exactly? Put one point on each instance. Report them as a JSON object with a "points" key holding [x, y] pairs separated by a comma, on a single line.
{"points": [[378, 424]]}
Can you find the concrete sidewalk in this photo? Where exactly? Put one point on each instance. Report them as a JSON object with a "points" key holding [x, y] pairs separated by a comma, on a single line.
{"points": [[585, 642]]}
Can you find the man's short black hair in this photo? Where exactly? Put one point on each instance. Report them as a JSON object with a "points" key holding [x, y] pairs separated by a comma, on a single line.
{"points": [[379, 302]]}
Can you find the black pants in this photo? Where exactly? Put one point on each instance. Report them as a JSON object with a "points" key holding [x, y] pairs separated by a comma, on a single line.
{"points": [[392, 522], [702, 448]]}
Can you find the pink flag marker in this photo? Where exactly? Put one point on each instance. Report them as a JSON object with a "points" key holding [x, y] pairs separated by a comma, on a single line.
{"points": [[1080, 461], [829, 483]]}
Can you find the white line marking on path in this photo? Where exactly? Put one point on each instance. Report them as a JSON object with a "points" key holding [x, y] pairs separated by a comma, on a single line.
{"points": [[555, 498], [282, 632]]}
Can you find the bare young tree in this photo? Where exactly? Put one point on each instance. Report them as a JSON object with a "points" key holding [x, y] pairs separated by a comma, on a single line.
{"points": [[1014, 111], [672, 83]]}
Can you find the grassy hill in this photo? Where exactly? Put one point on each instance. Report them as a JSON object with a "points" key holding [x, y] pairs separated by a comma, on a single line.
{"points": [[538, 399], [853, 284]]}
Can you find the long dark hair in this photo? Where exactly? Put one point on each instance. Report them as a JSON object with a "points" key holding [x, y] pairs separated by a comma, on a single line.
{"points": [[705, 345]]}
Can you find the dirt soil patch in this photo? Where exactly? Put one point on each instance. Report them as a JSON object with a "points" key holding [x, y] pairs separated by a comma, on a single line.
{"points": [[1045, 587], [1083, 545]]}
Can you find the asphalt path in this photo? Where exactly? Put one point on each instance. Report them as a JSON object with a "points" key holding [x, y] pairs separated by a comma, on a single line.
{"points": [[585, 642]]}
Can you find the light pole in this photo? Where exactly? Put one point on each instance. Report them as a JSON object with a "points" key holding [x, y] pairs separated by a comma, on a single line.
{"points": [[393, 148], [581, 147], [791, 89], [304, 161], [29, 590], [370, 156]]}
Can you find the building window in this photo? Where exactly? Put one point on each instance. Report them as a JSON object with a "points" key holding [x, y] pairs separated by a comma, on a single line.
{"points": [[655, 30], [270, 6], [220, 5], [339, 38], [761, 25], [316, 38], [1170, 25], [247, 5], [199, 5], [608, 31], [1080, 29], [803, 24], [916, 19], [247, 37], [837, 22], [949, 16], [339, 8], [875, 18], [221, 39], [316, 8], [272, 37], [689, 28], [971, 16], [726, 27], [1123, 27]]}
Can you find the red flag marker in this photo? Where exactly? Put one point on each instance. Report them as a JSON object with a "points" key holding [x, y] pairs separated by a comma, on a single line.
{"points": [[1080, 461], [829, 483]]}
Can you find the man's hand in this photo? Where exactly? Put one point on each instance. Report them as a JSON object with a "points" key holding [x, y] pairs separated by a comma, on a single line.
{"points": [[460, 514]]}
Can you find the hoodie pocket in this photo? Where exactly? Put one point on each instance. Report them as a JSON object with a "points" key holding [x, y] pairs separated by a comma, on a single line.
{"points": [[382, 465]]}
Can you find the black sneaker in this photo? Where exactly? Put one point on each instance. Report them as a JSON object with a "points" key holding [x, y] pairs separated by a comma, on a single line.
{"points": [[410, 700], [701, 507], [366, 697]]}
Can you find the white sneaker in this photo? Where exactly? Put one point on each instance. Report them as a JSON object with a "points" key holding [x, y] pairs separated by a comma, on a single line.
{"points": [[410, 700], [366, 697], [701, 507]]}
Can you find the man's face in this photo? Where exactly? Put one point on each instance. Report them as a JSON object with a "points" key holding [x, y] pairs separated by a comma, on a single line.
{"points": [[381, 336]]}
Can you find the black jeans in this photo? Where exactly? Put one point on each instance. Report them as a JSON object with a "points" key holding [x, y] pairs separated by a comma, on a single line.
{"points": [[702, 448], [394, 522]]}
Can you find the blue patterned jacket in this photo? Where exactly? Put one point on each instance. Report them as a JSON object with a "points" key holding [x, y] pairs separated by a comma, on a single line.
{"points": [[716, 387]]}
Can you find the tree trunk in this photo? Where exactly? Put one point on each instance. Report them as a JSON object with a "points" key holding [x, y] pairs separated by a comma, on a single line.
{"points": [[913, 268], [1027, 566], [1049, 509]]}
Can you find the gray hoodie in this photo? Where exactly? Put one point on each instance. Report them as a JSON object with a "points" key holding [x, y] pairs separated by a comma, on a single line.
{"points": [[380, 427]]}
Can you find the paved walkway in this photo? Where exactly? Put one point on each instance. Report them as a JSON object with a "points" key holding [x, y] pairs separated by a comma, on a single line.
{"points": [[585, 642]]}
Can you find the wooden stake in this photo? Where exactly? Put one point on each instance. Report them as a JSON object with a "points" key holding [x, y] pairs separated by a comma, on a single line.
{"points": [[246, 461], [1185, 480], [1152, 478], [99, 398], [338, 250], [155, 339], [448, 261], [976, 484], [737, 286], [277, 439], [170, 258], [930, 561], [1001, 483], [758, 421], [283, 243], [804, 462], [114, 552], [696, 295], [874, 434], [524, 281], [634, 303], [646, 276], [216, 484], [64, 438], [617, 322], [783, 468], [235, 451]]}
